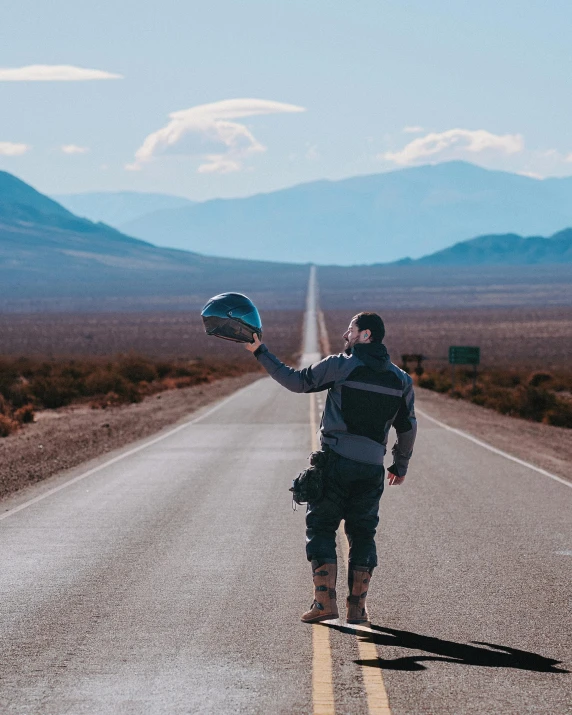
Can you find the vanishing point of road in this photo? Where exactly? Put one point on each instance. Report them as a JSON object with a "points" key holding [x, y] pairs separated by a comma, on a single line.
{"points": [[170, 577]]}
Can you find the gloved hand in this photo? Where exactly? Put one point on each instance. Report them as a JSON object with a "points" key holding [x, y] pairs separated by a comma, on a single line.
{"points": [[393, 479]]}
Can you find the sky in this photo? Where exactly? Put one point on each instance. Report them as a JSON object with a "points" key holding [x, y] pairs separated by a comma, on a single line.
{"points": [[229, 98]]}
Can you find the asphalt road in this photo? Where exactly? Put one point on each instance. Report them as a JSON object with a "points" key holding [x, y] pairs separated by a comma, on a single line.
{"points": [[172, 580]]}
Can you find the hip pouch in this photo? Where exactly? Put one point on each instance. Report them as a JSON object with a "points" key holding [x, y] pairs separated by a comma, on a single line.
{"points": [[308, 486]]}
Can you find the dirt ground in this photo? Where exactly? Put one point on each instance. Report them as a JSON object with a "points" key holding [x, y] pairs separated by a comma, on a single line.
{"points": [[547, 447], [536, 338], [63, 438]]}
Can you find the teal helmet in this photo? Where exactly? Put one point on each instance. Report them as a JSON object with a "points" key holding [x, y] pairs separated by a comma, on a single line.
{"points": [[232, 316]]}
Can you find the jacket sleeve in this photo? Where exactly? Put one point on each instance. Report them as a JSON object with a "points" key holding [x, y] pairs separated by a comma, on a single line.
{"points": [[319, 376], [406, 427]]}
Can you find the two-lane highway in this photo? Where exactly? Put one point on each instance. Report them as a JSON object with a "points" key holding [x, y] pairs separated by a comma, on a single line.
{"points": [[171, 580]]}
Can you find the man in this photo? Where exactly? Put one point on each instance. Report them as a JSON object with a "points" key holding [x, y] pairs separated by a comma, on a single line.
{"points": [[367, 394]]}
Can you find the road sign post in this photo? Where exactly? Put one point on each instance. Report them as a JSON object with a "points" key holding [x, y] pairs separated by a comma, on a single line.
{"points": [[464, 355]]}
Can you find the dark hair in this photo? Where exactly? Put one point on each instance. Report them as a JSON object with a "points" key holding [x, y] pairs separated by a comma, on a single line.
{"points": [[373, 323]]}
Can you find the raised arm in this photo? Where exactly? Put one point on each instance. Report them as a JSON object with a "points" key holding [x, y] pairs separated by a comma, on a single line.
{"points": [[319, 376]]}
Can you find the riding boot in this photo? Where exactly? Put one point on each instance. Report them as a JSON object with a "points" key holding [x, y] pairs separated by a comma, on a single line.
{"points": [[358, 582], [324, 606]]}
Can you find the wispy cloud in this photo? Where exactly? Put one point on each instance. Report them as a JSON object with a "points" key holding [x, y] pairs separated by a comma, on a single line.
{"points": [[207, 132], [12, 149], [454, 143], [53, 73], [412, 130], [74, 149]]}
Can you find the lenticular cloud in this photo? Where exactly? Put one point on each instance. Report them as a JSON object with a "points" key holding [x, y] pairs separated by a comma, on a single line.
{"points": [[208, 132], [453, 143], [53, 73]]}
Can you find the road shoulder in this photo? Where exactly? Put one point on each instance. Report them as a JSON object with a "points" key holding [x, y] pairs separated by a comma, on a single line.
{"points": [[544, 446]]}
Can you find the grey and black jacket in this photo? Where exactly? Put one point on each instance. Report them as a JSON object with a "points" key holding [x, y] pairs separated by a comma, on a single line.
{"points": [[367, 394]]}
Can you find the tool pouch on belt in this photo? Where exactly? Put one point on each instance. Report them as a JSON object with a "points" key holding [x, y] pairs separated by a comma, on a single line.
{"points": [[308, 486]]}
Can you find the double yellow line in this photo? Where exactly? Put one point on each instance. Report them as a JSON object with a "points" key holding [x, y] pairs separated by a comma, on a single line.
{"points": [[322, 671]]}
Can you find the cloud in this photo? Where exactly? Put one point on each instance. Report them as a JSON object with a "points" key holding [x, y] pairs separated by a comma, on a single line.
{"points": [[53, 73], [206, 131], [454, 143], [74, 149], [11, 149], [412, 130], [219, 164]]}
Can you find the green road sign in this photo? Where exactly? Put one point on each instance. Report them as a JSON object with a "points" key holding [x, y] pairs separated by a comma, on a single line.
{"points": [[464, 355]]}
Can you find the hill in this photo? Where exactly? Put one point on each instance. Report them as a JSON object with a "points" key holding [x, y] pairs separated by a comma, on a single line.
{"points": [[50, 257], [366, 219], [507, 249], [119, 207]]}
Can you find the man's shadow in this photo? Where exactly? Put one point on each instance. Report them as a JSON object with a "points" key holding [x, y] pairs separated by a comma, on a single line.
{"points": [[446, 651]]}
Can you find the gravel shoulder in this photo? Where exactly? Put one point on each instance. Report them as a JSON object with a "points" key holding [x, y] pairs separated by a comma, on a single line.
{"points": [[64, 438], [545, 446]]}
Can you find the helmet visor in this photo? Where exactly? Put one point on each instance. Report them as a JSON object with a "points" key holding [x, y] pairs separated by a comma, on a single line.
{"points": [[248, 315]]}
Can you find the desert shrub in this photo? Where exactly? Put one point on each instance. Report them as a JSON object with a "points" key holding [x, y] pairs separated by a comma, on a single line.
{"points": [[502, 378], [25, 414], [137, 369], [560, 415], [101, 382], [534, 402], [163, 369], [8, 376], [7, 426], [541, 396], [53, 391], [19, 394], [539, 378], [5, 407], [28, 384], [436, 381]]}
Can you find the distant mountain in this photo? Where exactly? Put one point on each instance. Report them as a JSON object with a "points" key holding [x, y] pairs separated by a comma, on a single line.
{"points": [[366, 219], [508, 249], [52, 260], [47, 253], [119, 207]]}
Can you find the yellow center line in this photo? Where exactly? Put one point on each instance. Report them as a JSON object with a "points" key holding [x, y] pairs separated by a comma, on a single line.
{"points": [[322, 676], [377, 700]]}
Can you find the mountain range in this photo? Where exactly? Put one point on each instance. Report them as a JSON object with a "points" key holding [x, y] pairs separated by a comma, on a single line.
{"points": [[366, 219], [50, 257]]}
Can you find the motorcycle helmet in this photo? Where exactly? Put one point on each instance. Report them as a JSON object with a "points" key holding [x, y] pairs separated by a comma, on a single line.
{"points": [[232, 316]]}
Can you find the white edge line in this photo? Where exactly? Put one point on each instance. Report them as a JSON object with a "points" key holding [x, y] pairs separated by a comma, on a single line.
{"points": [[494, 449], [119, 457]]}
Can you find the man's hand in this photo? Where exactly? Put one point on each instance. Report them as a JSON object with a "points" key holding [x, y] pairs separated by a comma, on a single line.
{"points": [[394, 480], [254, 345]]}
